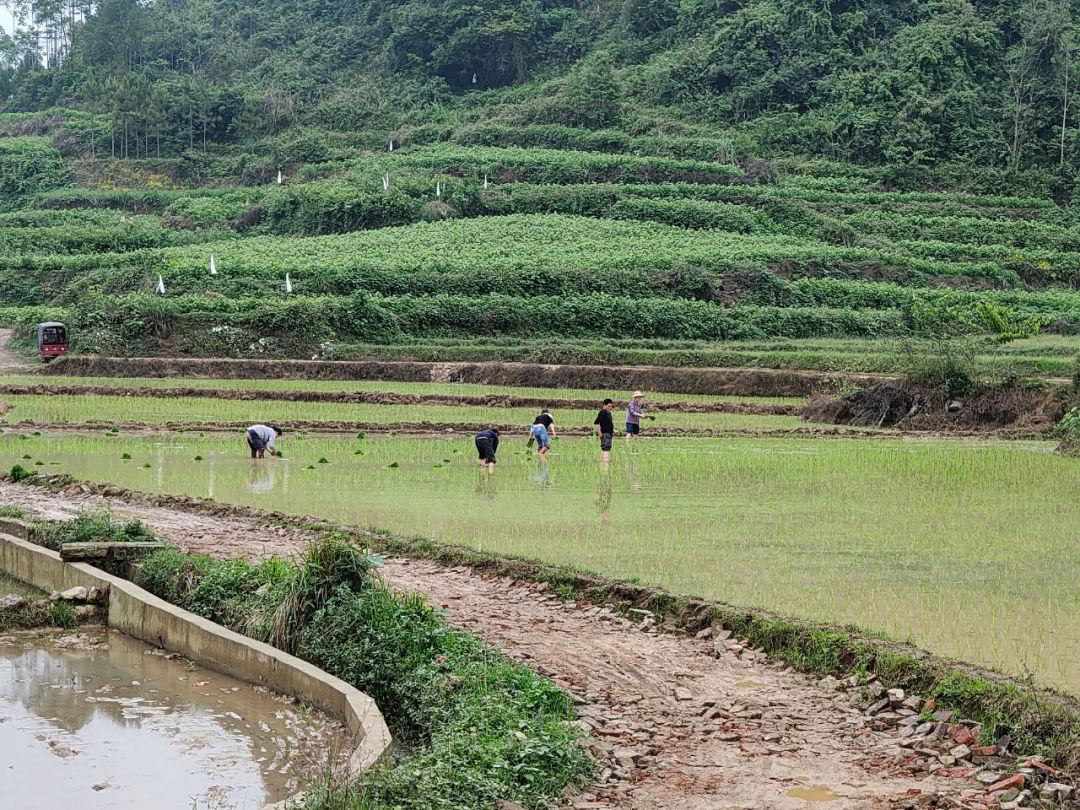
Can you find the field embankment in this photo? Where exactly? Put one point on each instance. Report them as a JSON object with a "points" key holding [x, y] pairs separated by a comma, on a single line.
{"points": [[717, 381], [909, 405]]}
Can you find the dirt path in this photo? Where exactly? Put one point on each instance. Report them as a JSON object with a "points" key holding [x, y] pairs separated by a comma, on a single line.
{"points": [[7, 359], [677, 723]]}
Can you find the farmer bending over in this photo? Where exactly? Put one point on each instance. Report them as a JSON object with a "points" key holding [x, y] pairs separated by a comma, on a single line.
{"points": [[543, 428], [261, 438], [487, 442]]}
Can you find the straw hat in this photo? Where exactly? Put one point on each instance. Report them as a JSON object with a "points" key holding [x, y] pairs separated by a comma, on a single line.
{"points": [[638, 394]]}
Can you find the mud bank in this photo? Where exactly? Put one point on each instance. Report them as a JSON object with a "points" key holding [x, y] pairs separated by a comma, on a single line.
{"points": [[393, 398], [718, 381], [909, 405]]}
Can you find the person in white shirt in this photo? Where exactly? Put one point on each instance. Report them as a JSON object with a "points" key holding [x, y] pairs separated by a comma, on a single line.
{"points": [[261, 438]]}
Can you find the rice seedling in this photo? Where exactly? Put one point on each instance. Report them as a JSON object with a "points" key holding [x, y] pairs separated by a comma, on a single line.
{"points": [[74, 409]]}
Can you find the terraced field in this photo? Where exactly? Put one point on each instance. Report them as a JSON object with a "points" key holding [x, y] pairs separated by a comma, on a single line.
{"points": [[478, 248]]}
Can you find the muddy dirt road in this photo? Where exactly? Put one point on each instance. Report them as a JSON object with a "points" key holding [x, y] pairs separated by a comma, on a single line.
{"points": [[7, 359], [677, 723]]}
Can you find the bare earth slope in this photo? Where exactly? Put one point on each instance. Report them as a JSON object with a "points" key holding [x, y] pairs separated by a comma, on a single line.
{"points": [[678, 723], [7, 359]]}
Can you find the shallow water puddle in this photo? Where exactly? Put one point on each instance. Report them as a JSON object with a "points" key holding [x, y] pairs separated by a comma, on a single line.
{"points": [[104, 721], [749, 684], [813, 793]]}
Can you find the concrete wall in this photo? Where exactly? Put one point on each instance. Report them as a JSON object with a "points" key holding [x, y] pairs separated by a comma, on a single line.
{"points": [[139, 613]]}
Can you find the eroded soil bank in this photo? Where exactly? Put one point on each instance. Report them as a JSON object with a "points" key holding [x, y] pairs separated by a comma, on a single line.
{"points": [[718, 381], [913, 406], [678, 722]]}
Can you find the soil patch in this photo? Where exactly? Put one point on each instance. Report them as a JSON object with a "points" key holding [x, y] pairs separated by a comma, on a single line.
{"points": [[719, 381], [913, 406], [7, 359]]}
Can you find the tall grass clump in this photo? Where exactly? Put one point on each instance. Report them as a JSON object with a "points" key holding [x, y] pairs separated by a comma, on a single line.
{"points": [[88, 527], [479, 727]]}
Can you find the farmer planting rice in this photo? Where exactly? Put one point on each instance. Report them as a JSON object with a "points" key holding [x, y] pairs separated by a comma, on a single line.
{"points": [[487, 443], [634, 412], [261, 438], [542, 430], [605, 429]]}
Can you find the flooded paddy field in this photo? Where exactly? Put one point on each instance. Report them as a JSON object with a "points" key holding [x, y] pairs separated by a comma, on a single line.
{"points": [[423, 388], [74, 409], [967, 548], [96, 719]]}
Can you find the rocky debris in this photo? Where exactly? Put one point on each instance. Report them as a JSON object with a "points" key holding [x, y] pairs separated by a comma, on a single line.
{"points": [[76, 594], [11, 601]]}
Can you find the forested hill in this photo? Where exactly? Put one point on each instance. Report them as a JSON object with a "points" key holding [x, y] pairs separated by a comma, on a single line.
{"points": [[903, 84]]}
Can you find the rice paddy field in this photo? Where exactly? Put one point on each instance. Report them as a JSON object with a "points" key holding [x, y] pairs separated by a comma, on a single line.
{"points": [[967, 548], [75, 409]]}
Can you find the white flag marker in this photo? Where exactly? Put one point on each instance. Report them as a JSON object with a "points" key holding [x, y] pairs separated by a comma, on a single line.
{"points": [[391, 145], [485, 183], [288, 283], [279, 177], [438, 188], [160, 285], [213, 265], [386, 182]]}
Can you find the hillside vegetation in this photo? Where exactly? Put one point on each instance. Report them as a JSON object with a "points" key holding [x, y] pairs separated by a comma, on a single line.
{"points": [[453, 180]]}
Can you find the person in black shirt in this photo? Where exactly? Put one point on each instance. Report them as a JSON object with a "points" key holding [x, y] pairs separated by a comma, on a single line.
{"points": [[487, 442], [543, 428], [605, 429]]}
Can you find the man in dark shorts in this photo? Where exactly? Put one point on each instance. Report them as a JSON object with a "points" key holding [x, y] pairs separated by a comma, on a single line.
{"points": [[261, 438], [487, 442], [605, 429]]}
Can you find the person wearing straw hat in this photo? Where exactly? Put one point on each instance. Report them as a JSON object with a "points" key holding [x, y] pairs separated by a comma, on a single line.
{"points": [[634, 413]]}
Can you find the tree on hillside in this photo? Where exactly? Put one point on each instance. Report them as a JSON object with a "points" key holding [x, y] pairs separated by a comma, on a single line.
{"points": [[645, 18], [591, 97]]}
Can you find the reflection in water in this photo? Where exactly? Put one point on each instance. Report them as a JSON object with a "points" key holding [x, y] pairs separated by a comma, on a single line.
{"points": [[605, 493], [110, 722], [542, 476], [263, 478]]}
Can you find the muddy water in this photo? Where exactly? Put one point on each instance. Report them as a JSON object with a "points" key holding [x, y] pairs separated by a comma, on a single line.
{"points": [[99, 720]]}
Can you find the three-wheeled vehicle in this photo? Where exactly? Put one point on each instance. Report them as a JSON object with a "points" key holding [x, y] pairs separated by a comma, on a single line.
{"points": [[52, 340]]}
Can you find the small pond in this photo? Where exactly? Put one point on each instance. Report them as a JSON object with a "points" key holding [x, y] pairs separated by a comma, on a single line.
{"points": [[95, 719]]}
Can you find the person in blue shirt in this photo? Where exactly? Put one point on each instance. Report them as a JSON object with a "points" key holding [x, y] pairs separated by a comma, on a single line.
{"points": [[487, 443]]}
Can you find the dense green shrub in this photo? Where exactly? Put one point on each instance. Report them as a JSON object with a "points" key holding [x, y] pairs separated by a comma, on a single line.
{"points": [[479, 728]]}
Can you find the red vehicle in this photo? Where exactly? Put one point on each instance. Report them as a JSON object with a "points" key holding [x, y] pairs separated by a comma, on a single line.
{"points": [[52, 340]]}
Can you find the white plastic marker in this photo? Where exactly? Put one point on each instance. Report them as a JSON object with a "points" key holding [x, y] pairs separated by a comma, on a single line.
{"points": [[279, 177], [485, 183], [474, 78], [386, 182], [213, 266], [391, 145], [438, 188], [288, 283], [160, 285]]}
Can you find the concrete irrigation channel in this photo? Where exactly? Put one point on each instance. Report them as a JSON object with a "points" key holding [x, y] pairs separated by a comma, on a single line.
{"points": [[140, 615]]}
